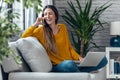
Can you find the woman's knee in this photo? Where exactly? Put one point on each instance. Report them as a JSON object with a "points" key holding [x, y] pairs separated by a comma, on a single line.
{"points": [[103, 62], [69, 66], [68, 63]]}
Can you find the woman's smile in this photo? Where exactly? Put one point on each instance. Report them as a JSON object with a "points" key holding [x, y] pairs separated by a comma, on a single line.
{"points": [[49, 16]]}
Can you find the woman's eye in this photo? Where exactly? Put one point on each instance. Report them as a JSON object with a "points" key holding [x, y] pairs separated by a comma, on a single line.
{"points": [[45, 14], [50, 13]]}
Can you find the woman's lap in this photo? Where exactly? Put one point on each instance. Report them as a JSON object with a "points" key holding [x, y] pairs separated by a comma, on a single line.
{"points": [[70, 66], [66, 66], [89, 69]]}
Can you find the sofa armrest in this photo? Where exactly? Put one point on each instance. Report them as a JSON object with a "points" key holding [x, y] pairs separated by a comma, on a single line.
{"points": [[49, 76], [101, 75]]}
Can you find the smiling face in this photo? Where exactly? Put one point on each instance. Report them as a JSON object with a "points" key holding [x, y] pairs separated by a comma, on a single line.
{"points": [[49, 16]]}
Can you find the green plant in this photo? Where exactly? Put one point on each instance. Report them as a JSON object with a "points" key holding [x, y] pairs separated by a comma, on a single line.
{"points": [[36, 4], [85, 24], [8, 28]]}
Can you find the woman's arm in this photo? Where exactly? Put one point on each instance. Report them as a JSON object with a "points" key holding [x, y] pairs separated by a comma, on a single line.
{"points": [[73, 53], [30, 30]]}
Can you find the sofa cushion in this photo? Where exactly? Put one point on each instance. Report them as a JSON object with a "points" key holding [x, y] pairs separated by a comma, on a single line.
{"points": [[49, 76], [34, 54], [10, 65]]}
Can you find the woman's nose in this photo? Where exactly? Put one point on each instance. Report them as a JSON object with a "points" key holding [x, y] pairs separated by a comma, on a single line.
{"points": [[47, 16]]}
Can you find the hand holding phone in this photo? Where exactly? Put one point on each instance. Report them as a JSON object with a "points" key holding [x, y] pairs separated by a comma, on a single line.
{"points": [[38, 21]]}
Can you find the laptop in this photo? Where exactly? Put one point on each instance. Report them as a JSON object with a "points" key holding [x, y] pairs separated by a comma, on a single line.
{"points": [[92, 59]]}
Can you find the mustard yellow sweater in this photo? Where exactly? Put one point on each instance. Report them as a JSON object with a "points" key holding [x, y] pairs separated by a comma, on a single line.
{"points": [[64, 47]]}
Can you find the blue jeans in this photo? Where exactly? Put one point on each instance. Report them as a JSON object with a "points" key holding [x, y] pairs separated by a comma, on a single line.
{"points": [[70, 66]]}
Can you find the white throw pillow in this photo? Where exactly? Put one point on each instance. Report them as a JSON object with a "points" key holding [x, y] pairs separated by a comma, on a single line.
{"points": [[34, 54]]}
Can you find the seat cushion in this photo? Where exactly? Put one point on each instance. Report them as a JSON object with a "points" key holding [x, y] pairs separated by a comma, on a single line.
{"points": [[49, 76], [10, 65], [34, 54]]}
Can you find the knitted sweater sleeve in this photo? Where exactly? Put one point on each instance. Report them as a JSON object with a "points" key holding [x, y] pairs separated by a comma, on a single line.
{"points": [[28, 32], [73, 53]]}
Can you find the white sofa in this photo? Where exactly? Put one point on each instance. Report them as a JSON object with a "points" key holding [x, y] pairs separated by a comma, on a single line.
{"points": [[27, 48]]}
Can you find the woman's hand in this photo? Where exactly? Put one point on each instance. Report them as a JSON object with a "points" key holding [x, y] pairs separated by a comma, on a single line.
{"points": [[81, 58], [78, 61], [38, 21]]}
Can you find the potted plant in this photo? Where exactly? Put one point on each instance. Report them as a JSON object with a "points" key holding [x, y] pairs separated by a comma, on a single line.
{"points": [[8, 28], [84, 24]]}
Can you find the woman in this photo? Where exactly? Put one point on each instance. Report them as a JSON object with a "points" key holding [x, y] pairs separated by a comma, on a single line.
{"points": [[54, 38]]}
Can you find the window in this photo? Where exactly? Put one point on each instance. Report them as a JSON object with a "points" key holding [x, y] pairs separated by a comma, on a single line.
{"points": [[26, 16], [18, 9]]}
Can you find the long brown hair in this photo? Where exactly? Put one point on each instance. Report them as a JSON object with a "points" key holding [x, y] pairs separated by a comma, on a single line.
{"points": [[48, 34]]}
